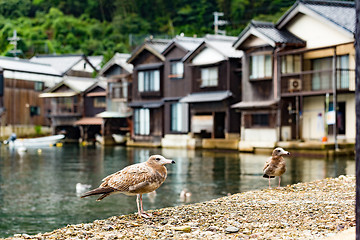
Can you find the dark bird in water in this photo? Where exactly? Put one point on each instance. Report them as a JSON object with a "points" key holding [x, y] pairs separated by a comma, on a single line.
{"points": [[135, 179], [275, 165]]}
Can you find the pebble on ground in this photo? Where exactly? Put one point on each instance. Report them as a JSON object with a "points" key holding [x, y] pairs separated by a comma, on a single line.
{"points": [[301, 211]]}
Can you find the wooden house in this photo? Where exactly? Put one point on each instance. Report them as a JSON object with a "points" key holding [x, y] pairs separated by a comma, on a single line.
{"points": [[117, 74], [215, 85], [22, 82], [147, 92], [177, 84], [293, 72], [74, 102]]}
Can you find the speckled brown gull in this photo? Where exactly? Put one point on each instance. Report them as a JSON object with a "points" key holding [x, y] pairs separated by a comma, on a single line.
{"points": [[275, 165], [135, 179]]}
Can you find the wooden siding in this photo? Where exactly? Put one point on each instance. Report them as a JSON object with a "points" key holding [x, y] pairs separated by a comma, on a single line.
{"points": [[19, 96]]}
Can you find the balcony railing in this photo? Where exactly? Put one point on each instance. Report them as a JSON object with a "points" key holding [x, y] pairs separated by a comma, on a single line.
{"points": [[317, 81], [60, 109]]}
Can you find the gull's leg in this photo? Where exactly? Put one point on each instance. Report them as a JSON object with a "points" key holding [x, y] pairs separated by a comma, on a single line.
{"points": [[269, 183], [138, 204], [142, 213], [279, 180]]}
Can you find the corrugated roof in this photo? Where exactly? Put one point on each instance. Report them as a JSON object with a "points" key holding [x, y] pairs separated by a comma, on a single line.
{"points": [[96, 61], [62, 63], [89, 121], [206, 97], [24, 65], [255, 104]]}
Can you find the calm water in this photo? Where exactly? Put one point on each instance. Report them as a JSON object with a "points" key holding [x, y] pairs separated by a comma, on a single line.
{"points": [[38, 194]]}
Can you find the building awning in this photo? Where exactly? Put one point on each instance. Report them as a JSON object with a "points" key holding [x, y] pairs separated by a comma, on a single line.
{"points": [[206, 97], [57, 94], [146, 104], [89, 121], [255, 104], [96, 94], [113, 114]]}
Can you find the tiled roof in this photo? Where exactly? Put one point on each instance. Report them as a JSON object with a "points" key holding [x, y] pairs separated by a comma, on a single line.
{"points": [[24, 65], [224, 44], [341, 13], [118, 59], [278, 36], [188, 43], [158, 44], [268, 31]]}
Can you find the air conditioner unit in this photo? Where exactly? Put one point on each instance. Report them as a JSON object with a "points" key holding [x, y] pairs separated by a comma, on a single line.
{"points": [[294, 85]]}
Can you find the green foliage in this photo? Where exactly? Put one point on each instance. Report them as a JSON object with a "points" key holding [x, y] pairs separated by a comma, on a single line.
{"points": [[95, 27]]}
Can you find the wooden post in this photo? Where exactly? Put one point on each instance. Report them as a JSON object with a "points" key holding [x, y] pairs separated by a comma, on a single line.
{"points": [[357, 101]]}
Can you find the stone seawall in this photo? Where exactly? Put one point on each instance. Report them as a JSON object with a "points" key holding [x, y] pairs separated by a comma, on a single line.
{"points": [[302, 211]]}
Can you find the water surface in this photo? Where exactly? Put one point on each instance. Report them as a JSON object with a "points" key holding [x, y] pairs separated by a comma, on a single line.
{"points": [[38, 194]]}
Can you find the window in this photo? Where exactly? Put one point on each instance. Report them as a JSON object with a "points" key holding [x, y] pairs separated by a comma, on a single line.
{"points": [[179, 117], [291, 64], [142, 121], [99, 102], [260, 66], [39, 86], [149, 81], [209, 77], [34, 111], [342, 77], [321, 78], [118, 90], [260, 120], [176, 69]]}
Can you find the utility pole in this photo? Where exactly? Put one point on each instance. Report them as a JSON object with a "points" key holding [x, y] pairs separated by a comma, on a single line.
{"points": [[357, 113], [218, 23], [13, 41]]}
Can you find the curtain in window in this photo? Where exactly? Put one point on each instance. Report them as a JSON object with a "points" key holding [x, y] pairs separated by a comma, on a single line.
{"points": [[343, 72], [142, 121], [179, 117]]}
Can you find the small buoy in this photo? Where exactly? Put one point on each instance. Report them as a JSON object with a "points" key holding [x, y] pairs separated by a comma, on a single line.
{"points": [[59, 144]]}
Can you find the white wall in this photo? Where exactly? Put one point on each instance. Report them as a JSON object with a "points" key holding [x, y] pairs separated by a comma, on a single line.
{"points": [[313, 125], [317, 33]]}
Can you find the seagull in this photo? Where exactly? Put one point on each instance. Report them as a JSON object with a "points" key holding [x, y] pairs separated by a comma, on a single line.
{"points": [[135, 179], [275, 166]]}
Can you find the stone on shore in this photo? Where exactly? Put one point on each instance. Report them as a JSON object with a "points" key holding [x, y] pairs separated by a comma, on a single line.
{"points": [[301, 211]]}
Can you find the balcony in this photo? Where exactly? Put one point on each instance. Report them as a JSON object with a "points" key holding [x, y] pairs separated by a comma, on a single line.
{"points": [[66, 110], [315, 82]]}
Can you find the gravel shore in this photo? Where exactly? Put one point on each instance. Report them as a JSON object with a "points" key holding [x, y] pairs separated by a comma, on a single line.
{"points": [[301, 211]]}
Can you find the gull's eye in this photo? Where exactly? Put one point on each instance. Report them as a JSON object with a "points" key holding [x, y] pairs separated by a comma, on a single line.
{"points": [[157, 159], [278, 151]]}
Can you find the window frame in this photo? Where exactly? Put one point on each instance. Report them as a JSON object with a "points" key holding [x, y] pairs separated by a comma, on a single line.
{"points": [[255, 69], [148, 80], [209, 80]]}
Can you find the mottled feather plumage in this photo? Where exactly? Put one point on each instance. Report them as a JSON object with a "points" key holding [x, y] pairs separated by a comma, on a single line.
{"points": [[135, 179]]}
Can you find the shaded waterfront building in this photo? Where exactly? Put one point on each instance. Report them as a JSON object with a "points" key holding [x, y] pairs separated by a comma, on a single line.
{"points": [[215, 85], [298, 76], [21, 107], [117, 118], [147, 92]]}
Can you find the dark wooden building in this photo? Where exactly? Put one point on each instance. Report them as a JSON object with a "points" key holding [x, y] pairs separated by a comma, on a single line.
{"points": [[147, 92], [215, 85]]}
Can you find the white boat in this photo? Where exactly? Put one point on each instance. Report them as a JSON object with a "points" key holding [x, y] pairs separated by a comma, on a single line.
{"points": [[39, 142], [119, 138]]}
